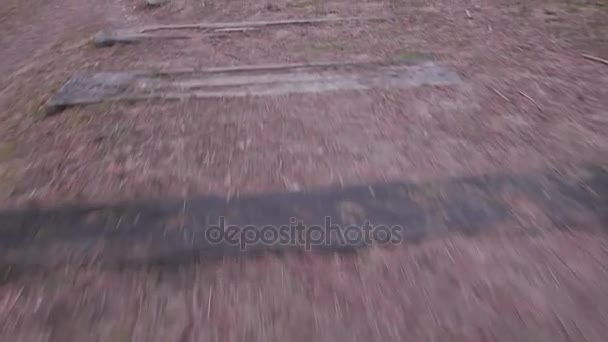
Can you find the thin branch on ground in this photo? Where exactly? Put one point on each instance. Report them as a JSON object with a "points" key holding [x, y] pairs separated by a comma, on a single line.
{"points": [[501, 94], [531, 100], [595, 59]]}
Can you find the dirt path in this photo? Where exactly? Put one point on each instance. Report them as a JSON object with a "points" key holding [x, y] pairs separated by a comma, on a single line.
{"points": [[271, 144], [528, 104]]}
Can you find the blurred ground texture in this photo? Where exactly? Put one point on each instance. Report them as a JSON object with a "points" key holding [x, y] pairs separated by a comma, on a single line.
{"points": [[529, 101]]}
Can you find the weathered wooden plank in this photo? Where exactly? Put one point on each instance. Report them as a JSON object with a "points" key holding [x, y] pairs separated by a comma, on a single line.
{"points": [[265, 80], [134, 35], [244, 24], [173, 230]]}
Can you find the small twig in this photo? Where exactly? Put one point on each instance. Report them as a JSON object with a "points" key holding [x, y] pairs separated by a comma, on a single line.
{"points": [[15, 300], [501, 95], [209, 302], [183, 217], [468, 13], [596, 59], [531, 99], [337, 306]]}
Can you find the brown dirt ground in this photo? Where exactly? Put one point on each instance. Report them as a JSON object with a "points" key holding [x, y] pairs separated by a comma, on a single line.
{"points": [[529, 101]]}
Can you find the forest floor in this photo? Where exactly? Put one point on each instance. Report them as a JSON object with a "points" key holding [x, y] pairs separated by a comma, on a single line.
{"points": [[531, 107]]}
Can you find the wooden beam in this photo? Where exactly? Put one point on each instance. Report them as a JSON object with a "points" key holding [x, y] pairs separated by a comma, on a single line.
{"points": [[135, 35], [254, 24], [241, 81]]}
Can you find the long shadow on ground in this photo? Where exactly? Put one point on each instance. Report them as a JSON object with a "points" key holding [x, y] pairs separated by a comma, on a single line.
{"points": [[172, 231]]}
